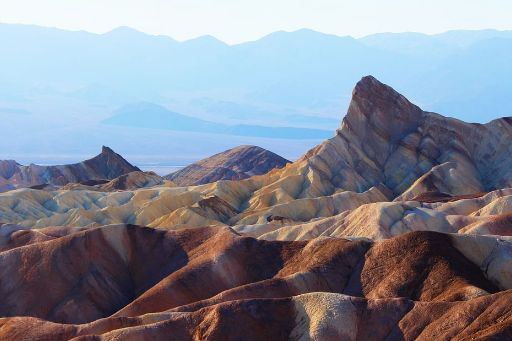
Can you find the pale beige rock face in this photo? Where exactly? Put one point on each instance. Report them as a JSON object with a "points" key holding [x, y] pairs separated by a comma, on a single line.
{"points": [[387, 219], [448, 177], [492, 254]]}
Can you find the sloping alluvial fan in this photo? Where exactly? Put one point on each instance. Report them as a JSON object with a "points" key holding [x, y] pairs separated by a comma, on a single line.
{"points": [[397, 228]]}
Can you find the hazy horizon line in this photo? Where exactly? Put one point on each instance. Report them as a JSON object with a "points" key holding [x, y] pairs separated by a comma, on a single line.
{"points": [[249, 40]]}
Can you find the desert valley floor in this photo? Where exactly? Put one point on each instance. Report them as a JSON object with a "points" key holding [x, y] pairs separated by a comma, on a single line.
{"points": [[397, 228]]}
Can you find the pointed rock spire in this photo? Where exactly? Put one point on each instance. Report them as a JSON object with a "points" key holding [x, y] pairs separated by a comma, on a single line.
{"points": [[109, 164], [377, 109]]}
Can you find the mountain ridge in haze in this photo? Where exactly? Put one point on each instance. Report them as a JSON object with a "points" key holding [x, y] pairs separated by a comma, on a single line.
{"points": [[262, 83], [266, 71], [150, 115]]}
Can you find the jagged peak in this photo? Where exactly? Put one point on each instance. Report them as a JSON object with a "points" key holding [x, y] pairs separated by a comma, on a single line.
{"points": [[111, 162], [370, 84], [371, 90], [377, 107], [107, 150]]}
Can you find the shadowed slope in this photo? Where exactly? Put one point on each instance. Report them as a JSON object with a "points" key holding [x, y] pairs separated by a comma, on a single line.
{"points": [[315, 316], [130, 181]]}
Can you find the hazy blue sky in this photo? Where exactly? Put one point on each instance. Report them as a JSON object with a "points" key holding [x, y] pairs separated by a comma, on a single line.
{"points": [[242, 20]]}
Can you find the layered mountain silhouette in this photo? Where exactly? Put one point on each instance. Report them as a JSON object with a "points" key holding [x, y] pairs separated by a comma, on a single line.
{"points": [[280, 80], [105, 166], [149, 115], [458, 72], [234, 164], [397, 228]]}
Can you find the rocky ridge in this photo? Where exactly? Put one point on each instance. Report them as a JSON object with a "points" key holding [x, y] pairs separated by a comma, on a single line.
{"points": [[105, 166], [234, 164]]}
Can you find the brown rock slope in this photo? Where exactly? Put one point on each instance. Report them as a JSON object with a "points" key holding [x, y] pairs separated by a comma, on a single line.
{"points": [[234, 164], [107, 165], [126, 282]]}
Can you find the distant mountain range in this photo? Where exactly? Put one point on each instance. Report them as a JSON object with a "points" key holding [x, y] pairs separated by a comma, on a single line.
{"points": [[71, 82], [109, 171], [149, 115], [285, 72]]}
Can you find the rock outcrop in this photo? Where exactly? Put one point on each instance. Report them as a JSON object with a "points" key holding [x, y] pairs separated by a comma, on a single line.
{"points": [[485, 215], [234, 164], [119, 282], [385, 139], [105, 166]]}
